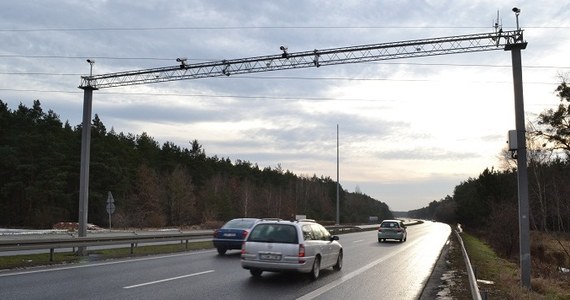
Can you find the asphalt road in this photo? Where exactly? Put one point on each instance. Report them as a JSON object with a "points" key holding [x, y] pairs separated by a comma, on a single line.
{"points": [[371, 270]]}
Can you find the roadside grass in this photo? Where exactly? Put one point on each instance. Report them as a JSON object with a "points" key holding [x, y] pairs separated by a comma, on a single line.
{"points": [[550, 252], [506, 277], [32, 260], [151, 250]]}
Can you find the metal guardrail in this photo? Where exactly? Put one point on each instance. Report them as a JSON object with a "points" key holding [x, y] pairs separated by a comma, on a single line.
{"points": [[338, 229], [470, 274], [52, 244]]}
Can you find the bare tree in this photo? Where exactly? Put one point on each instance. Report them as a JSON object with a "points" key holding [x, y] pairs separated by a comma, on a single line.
{"points": [[181, 202], [147, 210], [556, 129]]}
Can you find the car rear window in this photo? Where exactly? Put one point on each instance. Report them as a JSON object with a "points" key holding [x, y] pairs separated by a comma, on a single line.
{"points": [[389, 225], [239, 223], [274, 233]]}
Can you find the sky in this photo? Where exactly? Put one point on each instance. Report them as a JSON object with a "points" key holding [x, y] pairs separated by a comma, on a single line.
{"points": [[410, 130]]}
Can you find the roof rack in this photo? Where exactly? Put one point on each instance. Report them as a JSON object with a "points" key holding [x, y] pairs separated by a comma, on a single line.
{"points": [[271, 219], [307, 220]]}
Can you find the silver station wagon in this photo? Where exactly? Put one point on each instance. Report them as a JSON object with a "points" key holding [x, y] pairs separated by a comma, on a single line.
{"points": [[299, 246], [392, 229]]}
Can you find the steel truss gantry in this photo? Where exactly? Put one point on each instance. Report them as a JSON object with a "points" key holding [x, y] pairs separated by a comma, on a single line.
{"points": [[306, 59]]}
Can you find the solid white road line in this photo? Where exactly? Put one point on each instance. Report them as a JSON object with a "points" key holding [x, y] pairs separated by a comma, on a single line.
{"points": [[167, 279]]}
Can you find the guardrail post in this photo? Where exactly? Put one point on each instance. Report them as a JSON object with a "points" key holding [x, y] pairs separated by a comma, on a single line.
{"points": [[132, 248], [186, 244], [51, 250]]}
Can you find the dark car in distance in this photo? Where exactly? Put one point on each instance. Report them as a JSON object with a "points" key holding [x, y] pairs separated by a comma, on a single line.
{"points": [[232, 234]]}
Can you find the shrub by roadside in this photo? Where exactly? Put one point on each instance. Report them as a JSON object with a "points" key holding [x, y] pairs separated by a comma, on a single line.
{"points": [[505, 276]]}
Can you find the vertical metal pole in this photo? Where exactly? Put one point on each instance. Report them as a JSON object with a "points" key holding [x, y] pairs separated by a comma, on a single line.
{"points": [[337, 180], [84, 171], [524, 227]]}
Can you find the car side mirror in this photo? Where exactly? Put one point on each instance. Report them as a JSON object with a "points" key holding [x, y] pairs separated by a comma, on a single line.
{"points": [[334, 238]]}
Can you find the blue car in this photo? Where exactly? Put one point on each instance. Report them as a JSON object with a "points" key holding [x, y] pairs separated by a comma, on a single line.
{"points": [[232, 234]]}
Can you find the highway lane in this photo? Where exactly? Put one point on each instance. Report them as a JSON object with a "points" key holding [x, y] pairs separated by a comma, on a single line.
{"points": [[371, 270], [390, 270]]}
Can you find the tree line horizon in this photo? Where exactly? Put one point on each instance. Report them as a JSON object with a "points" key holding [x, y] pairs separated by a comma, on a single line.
{"points": [[152, 185]]}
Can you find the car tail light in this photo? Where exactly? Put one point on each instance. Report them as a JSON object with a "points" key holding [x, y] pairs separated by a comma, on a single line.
{"points": [[244, 234], [242, 248], [379, 229], [301, 253], [399, 230]]}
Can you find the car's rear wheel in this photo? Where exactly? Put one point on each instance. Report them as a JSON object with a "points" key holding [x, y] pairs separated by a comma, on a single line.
{"points": [[222, 251], [380, 240], [316, 271], [338, 265], [255, 272]]}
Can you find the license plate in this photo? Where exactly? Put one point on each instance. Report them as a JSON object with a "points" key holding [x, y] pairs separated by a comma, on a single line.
{"points": [[270, 256], [230, 234]]}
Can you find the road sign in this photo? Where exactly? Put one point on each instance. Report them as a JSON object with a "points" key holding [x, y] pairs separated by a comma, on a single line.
{"points": [[110, 198], [110, 203], [110, 208]]}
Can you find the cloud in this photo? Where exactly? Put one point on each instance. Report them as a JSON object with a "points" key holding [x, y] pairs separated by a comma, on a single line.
{"points": [[410, 129]]}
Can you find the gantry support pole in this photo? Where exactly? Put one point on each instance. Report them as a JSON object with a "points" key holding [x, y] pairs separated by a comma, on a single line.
{"points": [[522, 173], [84, 171]]}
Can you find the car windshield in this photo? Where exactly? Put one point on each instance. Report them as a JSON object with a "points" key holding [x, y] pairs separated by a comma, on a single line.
{"points": [[274, 233], [239, 223]]}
